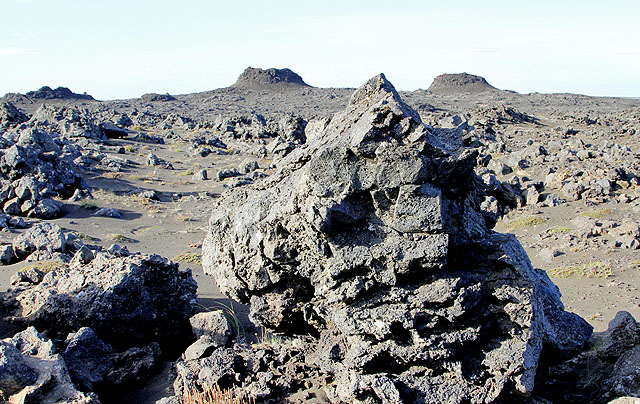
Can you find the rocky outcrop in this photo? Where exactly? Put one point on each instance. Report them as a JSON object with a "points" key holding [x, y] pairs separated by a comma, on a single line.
{"points": [[371, 240], [35, 168], [67, 121], [460, 83], [259, 79], [129, 300], [155, 97], [47, 93], [10, 116]]}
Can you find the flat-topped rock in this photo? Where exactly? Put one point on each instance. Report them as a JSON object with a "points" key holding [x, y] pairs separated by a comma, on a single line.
{"points": [[256, 79], [460, 83]]}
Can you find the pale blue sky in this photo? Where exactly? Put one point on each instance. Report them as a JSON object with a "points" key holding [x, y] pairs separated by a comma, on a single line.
{"points": [[122, 49]]}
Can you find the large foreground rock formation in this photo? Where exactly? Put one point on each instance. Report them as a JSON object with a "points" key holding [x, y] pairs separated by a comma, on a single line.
{"points": [[372, 240]]}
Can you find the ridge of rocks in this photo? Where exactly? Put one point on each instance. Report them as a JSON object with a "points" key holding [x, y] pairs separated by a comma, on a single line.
{"points": [[48, 93]]}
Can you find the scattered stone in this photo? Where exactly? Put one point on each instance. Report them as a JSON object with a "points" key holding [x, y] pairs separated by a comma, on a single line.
{"points": [[153, 160], [7, 255], [200, 175], [149, 194], [227, 173], [213, 324], [108, 212], [118, 250], [548, 254], [146, 138], [112, 131], [248, 166]]}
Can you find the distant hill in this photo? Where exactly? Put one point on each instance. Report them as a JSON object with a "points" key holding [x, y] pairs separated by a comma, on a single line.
{"points": [[155, 97], [459, 83], [62, 93], [259, 79]]}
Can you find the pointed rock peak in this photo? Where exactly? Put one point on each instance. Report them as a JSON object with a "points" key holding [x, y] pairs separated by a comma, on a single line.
{"points": [[374, 89]]}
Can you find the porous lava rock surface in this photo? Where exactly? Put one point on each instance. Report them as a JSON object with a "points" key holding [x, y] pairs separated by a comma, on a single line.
{"points": [[129, 300], [371, 240]]}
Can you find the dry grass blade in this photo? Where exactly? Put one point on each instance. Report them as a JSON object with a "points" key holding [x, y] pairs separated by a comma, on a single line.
{"points": [[216, 395]]}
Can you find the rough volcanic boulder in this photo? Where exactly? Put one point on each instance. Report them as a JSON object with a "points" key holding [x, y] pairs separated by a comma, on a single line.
{"points": [[608, 369], [370, 239], [129, 301], [257, 79], [34, 372], [94, 366], [10, 116], [459, 83]]}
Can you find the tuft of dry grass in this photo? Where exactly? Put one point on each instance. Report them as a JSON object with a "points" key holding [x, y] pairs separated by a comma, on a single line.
{"points": [[597, 213], [558, 230], [526, 221], [190, 257], [89, 205], [593, 269], [216, 395], [86, 237], [46, 266], [121, 238]]}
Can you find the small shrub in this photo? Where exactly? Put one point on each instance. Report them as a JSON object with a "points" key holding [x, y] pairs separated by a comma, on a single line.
{"points": [[129, 148]]}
